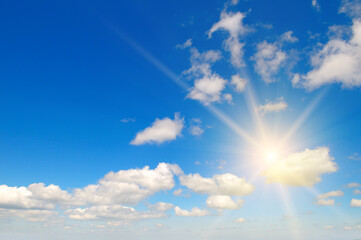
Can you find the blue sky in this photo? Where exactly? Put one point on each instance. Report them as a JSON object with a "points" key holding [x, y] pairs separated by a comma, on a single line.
{"points": [[180, 119]]}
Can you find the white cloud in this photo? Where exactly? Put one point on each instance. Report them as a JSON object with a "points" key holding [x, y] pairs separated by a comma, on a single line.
{"points": [[161, 130], [177, 192], [288, 37], [347, 228], [36, 196], [268, 60], [195, 212], [275, 106], [126, 120], [239, 83], [233, 24], [111, 212], [330, 194], [196, 128], [208, 86], [355, 156], [224, 184], [129, 186], [302, 168], [328, 227], [223, 202], [325, 202], [339, 61], [186, 44], [161, 206], [351, 7], [355, 203], [315, 5]]}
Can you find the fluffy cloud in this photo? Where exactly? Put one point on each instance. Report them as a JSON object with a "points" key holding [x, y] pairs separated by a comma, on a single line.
{"points": [[161, 130], [196, 128], [356, 203], [330, 194], [233, 24], [195, 212], [36, 196], [302, 168], [339, 61], [223, 202], [129, 186], [268, 60], [288, 37], [111, 212], [224, 184], [275, 106], [239, 83], [208, 86]]}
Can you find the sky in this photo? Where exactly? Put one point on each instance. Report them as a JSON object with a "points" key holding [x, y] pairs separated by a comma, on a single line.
{"points": [[180, 119]]}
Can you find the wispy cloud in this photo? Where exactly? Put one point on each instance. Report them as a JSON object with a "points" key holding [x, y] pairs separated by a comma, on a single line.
{"points": [[274, 106]]}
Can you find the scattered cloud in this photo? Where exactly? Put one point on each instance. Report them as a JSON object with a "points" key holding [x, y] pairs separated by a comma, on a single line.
{"points": [[127, 120], [339, 61], [302, 168], [239, 83], [233, 24], [223, 202], [316, 5], [353, 185], [351, 7], [195, 212], [325, 202], [196, 128], [275, 106], [331, 194], [355, 203], [31, 215], [357, 191], [208, 86], [160, 131], [177, 192], [224, 184], [347, 228], [268, 60], [355, 156], [129, 186], [186, 44], [288, 37], [328, 227]]}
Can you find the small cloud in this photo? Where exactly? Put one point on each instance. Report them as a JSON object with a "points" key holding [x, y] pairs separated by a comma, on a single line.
{"points": [[223, 202], [160, 131], [347, 228], [196, 128], [355, 203], [287, 37], [228, 98], [316, 5], [328, 227], [330, 194], [239, 83], [357, 191], [177, 192], [325, 202], [126, 120], [195, 212], [355, 156], [353, 185], [275, 106], [186, 44]]}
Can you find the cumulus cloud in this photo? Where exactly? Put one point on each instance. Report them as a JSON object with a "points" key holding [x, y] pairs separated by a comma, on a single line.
{"points": [[160, 131], [223, 202], [302, 168], [268, 60], [195, 212], [224, 184], [233, 24], [239, 83], [339, 61], [129, 186], [275, 106], [208, 86], [355, 203]]}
